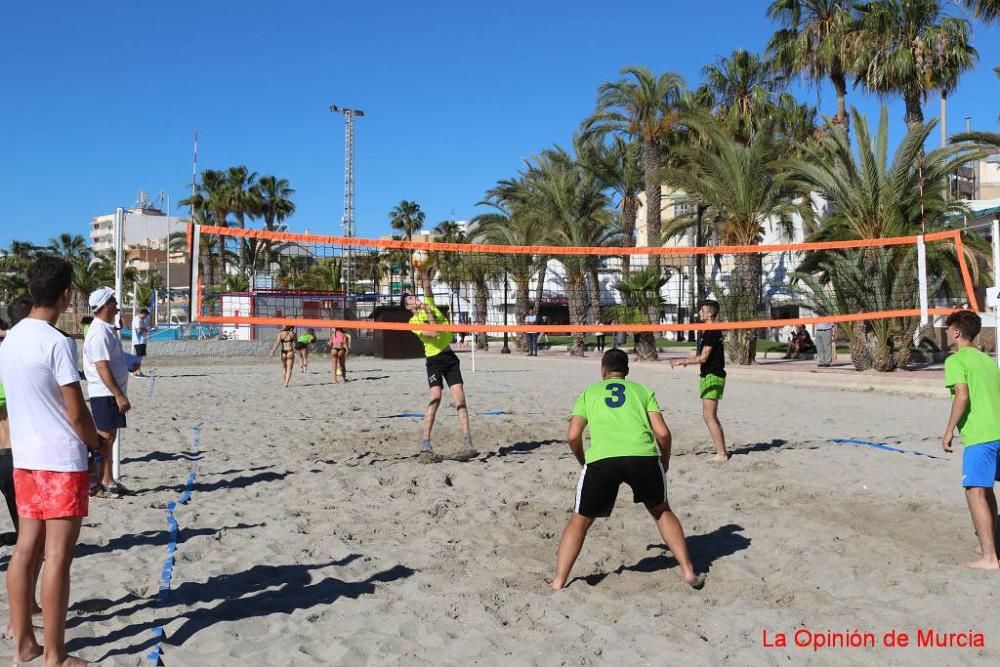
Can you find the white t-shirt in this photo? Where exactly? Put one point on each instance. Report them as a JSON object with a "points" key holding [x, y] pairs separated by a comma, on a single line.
{"points": [[104, 344], [139, 337], [531, 319], [35, 361]]}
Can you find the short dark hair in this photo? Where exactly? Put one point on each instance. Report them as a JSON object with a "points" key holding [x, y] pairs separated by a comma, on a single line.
{"points": [[86, 319], [48, 278], [713, 306], [402, 299], [967, 322], [19, 308], [615, 361], [144, 311]]}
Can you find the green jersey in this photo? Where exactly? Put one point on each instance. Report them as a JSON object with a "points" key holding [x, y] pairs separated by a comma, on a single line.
{"points": [[981, 421], [617, 413], [307, 338], [440, 342]]}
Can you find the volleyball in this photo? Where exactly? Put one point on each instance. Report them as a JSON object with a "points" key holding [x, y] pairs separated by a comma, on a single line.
{"points": [[420, 259]]}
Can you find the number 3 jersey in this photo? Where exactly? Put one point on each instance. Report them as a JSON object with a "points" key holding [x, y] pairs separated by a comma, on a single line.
{"points": [[617, 414]]}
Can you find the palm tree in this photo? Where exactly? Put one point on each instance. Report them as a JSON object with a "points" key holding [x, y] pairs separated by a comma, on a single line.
{"points": [[448, 264], [274, 198], [742, 87], [74, 249], [872, 197], [986, 10], [745, 187], [816, 40], [407, 218], [210, 205], [910, 47], [618, 167], [575, 207], [373, 266], [644, 107]]}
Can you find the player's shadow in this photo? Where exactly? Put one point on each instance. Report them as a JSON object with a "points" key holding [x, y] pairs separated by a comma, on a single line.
{"points": [[243, 595], [152, 538], [235, 483], [161, 456], [522, 447], [752, 448], [703, 549]]}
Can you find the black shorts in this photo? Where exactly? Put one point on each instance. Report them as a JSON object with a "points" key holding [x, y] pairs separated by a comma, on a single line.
{"points": [[139, 349], [597, 489], [107, 416], [443, 368], [299, 345]]}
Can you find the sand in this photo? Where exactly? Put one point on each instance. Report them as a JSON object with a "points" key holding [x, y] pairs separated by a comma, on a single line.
{"points": [[314, 536]]}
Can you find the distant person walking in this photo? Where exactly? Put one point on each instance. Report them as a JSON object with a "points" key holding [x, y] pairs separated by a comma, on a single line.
{"points": [[532, 336], [140, 336]]}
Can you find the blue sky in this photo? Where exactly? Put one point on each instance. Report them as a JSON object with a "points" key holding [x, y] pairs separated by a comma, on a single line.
{"points": [[100, 100]]}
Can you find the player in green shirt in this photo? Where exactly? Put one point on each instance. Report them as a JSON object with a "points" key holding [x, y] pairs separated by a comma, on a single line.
{"points": [[442, 366], [974, 380], [630, 443], [302, 344]]}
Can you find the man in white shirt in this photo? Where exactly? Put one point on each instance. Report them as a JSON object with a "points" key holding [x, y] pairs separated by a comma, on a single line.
{"points": [[140, 335], [106, 366], [532, 336], [51, 432]]}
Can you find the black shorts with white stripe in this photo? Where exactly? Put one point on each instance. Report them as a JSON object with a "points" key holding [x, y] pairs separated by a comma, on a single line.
{"points": [[597, 489]]}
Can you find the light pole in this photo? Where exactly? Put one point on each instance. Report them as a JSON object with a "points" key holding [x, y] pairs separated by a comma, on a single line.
{"points": [[348, 219], [506, 346]]}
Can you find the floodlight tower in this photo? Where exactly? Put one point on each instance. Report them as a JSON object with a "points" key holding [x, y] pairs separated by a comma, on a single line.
{"points": [[348, 220]]}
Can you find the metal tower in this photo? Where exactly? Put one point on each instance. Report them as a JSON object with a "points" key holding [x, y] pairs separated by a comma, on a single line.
{"points": [[347, 222]]}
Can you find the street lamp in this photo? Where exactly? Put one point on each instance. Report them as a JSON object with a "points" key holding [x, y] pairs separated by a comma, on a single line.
{"points": [[506, 346], [348, 221]]}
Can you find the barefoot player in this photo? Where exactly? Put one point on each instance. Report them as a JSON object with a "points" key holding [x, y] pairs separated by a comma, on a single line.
{"points": [[625, 429], [974, 379], [711, 357]]}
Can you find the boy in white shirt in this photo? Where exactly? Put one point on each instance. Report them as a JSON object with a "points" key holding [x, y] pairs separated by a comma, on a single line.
{"points": [[106, 366], [51, 432]]}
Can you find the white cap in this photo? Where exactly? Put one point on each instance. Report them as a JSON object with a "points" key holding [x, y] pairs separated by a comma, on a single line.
{"points": [[100, 296]]}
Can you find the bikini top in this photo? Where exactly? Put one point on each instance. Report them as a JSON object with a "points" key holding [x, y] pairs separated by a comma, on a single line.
{"points": [[286, 342], [338, 338]]}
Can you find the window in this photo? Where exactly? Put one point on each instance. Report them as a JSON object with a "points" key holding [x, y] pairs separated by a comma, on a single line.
{"points": [[683, 208]]}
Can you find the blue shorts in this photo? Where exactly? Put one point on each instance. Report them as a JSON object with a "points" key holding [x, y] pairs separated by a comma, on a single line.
{"points": [[107, 416], [981, 465]]}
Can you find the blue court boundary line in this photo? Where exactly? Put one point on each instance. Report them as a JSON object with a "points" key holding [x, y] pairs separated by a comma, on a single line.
{"points": [[491, 413], [166, 574], [885, 447], [152, 386]]}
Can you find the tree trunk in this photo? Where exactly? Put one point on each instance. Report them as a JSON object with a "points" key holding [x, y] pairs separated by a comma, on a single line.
{"points": [[482, 308], [595, 296], [645, 346], [841, 120], [521, 298], [540, 290], [914, 110], [578, 312], [652, 158], [745, 305], [861, 353], [630, 213]]}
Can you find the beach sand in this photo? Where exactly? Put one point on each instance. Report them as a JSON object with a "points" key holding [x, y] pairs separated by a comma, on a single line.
{"points": [[314, 536]]}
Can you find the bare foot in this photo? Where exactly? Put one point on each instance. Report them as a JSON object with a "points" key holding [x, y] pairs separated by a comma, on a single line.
{"points": [[718, 458], [697, 581], [29, 653], [557, 585], [68, 661], [984, 564]]}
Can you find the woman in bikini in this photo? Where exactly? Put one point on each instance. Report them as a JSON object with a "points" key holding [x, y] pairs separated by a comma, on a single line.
{"points": [[302, 347], [286, 340], [340, 345]]}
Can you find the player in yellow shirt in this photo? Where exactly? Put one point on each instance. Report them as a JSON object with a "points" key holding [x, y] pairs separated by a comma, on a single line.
{"points": [[442, 366], [629, 443]]}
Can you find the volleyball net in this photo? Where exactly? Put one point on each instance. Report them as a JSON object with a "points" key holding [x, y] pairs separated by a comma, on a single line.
{"points": [[262, 278]]}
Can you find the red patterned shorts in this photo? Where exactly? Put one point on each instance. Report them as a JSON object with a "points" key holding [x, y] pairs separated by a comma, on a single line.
{"points": [[45, 494]]}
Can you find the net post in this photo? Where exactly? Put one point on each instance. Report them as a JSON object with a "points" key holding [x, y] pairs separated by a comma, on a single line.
{"points": [[922, 279], [194, 299]]}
